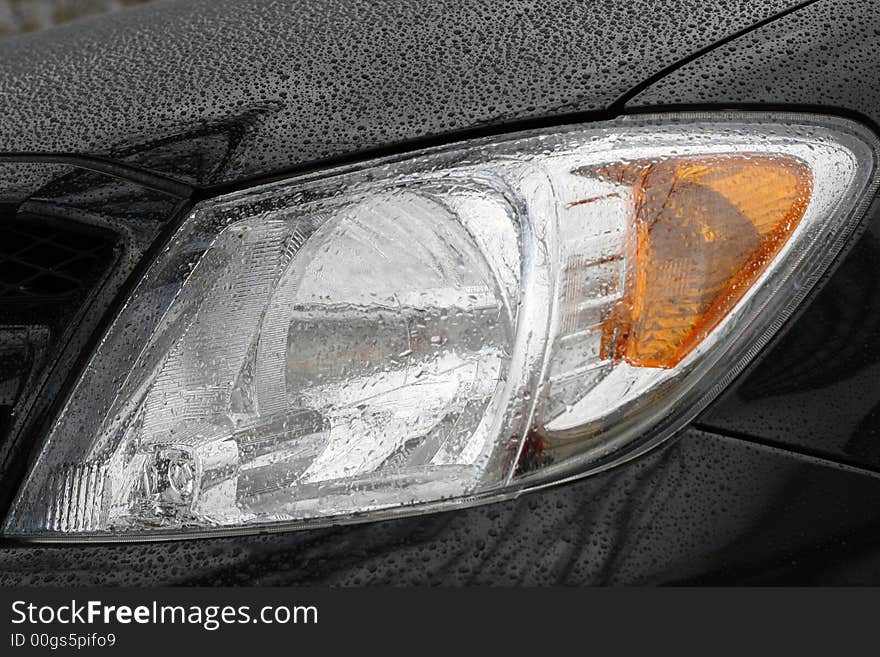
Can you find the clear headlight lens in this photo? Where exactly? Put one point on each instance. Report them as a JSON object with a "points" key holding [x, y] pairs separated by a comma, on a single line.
{"points": [[458, 325]]}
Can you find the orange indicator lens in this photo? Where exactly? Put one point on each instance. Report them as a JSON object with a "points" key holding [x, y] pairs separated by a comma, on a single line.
{"points": [[704, 230]]}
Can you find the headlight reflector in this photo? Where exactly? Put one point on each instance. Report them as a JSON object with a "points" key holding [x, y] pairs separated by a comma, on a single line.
{"points": [[453, 326]]}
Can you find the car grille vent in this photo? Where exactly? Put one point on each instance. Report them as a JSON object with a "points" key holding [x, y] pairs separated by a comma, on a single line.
{"points": [[47, 260]]}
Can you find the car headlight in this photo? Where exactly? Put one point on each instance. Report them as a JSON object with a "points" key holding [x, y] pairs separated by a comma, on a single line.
{"points": [[457, 325]]}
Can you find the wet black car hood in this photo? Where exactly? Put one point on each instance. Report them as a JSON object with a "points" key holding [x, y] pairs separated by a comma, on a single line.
{"points": [[212, 91]]}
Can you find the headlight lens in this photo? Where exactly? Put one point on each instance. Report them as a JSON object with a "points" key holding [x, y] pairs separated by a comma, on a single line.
{"points": [[458, 325]]}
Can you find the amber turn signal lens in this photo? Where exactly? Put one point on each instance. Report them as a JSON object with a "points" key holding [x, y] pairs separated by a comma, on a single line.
{"points": [[704, 230]]}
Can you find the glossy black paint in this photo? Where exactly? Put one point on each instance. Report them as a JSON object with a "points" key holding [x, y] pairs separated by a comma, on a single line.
{"points": [[218, 93]]}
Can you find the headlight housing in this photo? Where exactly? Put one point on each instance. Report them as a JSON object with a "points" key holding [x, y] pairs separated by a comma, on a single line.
{"points": [[457, 325]]}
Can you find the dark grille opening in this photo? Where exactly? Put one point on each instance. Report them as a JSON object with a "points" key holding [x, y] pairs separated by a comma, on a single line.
{"points": [[50, 259], [23, 350], [48, 269]]}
